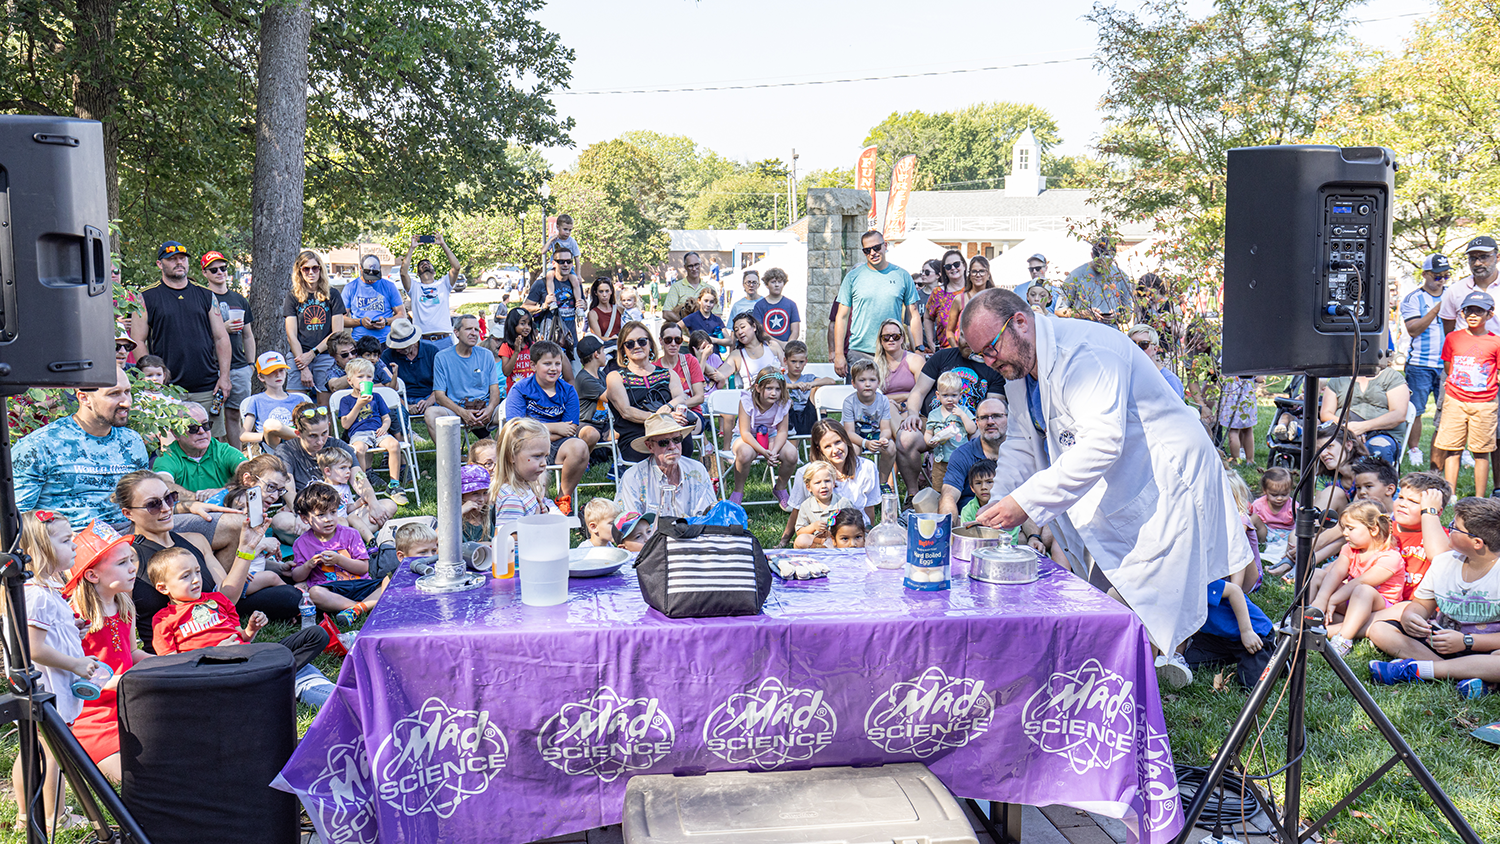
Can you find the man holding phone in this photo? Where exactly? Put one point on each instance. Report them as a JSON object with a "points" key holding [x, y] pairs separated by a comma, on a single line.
{"points": [[429, 296], [372, 301]]}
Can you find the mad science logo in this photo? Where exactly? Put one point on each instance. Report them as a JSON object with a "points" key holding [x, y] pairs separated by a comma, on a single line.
{"points": [[1155, 770], [606, 736], [437, 757], [932, 713], [770, 726], [345, 800], [1086, 716]]}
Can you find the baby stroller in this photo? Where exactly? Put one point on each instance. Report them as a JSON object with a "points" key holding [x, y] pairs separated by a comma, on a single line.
{"points": [[1284, 439]]}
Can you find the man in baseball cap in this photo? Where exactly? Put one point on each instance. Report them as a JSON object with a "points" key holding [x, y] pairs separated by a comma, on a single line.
{"points": [[184, 326], [410, 357], [234, 308], [1481, 256], [1036, 274], [1424, 355]]}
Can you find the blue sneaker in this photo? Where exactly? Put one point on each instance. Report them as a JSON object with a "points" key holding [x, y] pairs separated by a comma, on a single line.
{"points": [[1472, 689], [1393, 672]]}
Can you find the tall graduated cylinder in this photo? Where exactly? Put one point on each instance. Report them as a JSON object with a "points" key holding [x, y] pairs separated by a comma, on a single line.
{"points": [[541, 543]]}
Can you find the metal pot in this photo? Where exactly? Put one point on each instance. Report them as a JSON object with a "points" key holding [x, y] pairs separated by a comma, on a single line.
{"points": [[1005, 564], [967, 540]]}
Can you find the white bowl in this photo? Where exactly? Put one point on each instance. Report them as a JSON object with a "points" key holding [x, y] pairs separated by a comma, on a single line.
{"points": [[595, 560]]}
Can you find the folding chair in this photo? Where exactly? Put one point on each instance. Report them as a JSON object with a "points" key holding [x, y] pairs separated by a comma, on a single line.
{"points": [[726, 402], [830, 399], [394, 400], [387, 395], [821, 370]]}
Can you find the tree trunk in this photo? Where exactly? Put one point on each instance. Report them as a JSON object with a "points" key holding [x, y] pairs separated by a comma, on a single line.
{"points": [[276, 191], [96, 91]]}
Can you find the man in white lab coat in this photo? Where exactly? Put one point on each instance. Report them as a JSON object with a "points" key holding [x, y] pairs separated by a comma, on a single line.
{"points": [[1100, 447]]}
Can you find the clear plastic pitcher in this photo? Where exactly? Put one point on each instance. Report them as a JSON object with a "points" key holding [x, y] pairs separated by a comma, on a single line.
{"points": [[542, 545]]}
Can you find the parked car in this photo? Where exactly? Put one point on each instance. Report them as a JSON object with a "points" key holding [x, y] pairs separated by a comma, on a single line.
{"points": [[503, 277]]}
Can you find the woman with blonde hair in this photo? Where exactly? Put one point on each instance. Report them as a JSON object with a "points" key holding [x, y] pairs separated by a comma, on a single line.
{"points": [[313, 313], [898, 368]]}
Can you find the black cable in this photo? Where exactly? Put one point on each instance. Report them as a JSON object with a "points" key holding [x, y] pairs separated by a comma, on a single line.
{"points": [[1234, 802]]}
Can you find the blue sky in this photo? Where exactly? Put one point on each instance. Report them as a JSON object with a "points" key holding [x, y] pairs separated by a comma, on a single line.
{"points": [[681, 43]]}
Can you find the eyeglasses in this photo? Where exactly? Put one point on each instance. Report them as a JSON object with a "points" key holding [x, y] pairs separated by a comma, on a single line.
{"points": [[956, 265], [669, 442], [890, 337], [158, 505], [990, 417], [990, 349], [691, 266], [312, 268], [637, 343], [198, 428], [342, 355], [665, 339], [273, 489], [1144, 344], [1453, 527], [871, 250], [314, 412]]}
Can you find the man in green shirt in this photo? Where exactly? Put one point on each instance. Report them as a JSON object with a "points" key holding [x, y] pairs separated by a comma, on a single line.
{"points": [[197, 461], [685, 290]]}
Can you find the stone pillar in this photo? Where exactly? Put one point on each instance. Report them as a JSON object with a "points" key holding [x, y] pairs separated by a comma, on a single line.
{"points": [[835, 220]]}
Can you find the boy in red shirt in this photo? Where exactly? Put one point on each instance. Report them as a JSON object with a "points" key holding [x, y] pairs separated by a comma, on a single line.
{"points": [[1420, 535], [197, 619], [1471, 358]]}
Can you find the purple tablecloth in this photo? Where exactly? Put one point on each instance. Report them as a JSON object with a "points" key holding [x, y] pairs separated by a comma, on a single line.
{"points": [[473, 717]]}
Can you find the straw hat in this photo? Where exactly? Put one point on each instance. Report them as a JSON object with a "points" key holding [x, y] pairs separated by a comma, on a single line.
{"points": [[658, 425]]}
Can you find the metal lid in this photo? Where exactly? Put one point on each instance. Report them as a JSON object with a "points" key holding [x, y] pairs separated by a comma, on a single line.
{"points": [[1005, 553]]}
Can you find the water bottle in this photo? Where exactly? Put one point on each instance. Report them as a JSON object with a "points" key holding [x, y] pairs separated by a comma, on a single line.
{"points": [[216, 406], [308, 611]]}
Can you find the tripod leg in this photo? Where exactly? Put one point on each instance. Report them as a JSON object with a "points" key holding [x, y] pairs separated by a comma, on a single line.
{"points": [[85, 778], [1403, 750], [1285, 651]]}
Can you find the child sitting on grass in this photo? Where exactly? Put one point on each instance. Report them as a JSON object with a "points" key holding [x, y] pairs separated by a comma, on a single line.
{"points": [[599, 519], [815, 516], [1366, 578], [1236, 631], [332, 559], [1420, 535], [415, 540], [367, 423], [631, 530], [196, 619], [948, 425], [1274, 514], [354, 508], [1451, 628]]}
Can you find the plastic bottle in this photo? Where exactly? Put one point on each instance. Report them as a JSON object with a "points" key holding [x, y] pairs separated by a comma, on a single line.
{"points": [[216, 406], [308, 611], [885, 544]]}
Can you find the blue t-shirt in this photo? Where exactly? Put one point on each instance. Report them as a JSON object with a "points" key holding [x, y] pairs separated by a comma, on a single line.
{"points": [[63, 468], [1175, 382], [777, 319], [712, 325], [416, 374], [959, 464], [264, 408], [463, 379], [367, 301], [369, 419], [529, 399], [1221, 621], [799, 397], [872, 297]]}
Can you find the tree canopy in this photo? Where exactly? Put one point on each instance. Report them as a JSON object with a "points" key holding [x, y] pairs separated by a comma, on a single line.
{"points": [[967, 149]]}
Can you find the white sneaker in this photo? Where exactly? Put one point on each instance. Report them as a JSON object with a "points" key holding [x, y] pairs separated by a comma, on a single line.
{"points": [[1172, 670], [1467, 460], [1414, 457], [1341, 645]]}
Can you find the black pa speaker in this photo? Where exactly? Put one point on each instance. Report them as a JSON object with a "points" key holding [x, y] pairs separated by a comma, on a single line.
{"points": [[1306, 235], [57, 326]]}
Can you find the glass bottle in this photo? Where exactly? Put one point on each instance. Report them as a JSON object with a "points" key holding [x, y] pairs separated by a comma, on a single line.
{"points": [[885, 544]]}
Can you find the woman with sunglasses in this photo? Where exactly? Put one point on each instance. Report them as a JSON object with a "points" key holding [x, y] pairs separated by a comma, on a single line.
{"points": [[147, 503], [687, 367], [313, 314], [943, 305], [898, 368], [640, 388]]}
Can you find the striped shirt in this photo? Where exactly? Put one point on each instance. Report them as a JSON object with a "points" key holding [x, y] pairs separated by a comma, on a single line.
{"points": [[1427, 347]]}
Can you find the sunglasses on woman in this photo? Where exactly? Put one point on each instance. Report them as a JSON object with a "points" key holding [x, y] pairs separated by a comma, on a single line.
{"points": [[314, 412], [637, 343], [956, 265], [158, 505]]}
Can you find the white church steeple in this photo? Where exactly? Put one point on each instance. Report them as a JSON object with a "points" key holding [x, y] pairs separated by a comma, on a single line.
{"points": [[1025, 177]]}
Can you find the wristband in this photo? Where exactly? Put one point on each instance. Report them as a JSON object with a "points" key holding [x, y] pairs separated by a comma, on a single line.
{"points": [[245, 555], [1031, 536]]}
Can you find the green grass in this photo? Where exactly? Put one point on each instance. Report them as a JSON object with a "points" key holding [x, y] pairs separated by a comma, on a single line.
{"points": [[1343, 746]]}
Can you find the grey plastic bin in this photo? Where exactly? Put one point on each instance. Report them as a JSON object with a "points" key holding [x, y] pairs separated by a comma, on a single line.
{"points": [[894, 803]]}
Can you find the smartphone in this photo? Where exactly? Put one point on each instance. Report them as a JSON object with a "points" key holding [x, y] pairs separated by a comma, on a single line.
{"points": [[427, 238], [256, 505], [367, 388]]}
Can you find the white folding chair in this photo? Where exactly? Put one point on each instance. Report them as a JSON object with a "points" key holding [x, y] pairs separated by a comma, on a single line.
{"points": [[402, 421], [335, 429], [821, 370], [726, 402], [253, 449], [830, 399]]}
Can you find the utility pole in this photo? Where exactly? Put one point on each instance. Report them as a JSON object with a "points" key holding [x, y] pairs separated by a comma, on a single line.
{"points": [[792, 188]]}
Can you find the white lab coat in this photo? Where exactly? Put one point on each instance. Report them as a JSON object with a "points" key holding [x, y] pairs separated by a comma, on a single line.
{"points": [[1133, 477]]}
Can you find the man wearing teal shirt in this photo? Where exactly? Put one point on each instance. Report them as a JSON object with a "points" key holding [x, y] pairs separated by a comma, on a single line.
{"points": [[869, 295]]}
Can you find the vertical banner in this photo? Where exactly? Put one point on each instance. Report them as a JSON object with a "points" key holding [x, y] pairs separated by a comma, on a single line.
{"points": [[902, 177], [864, 179]]}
